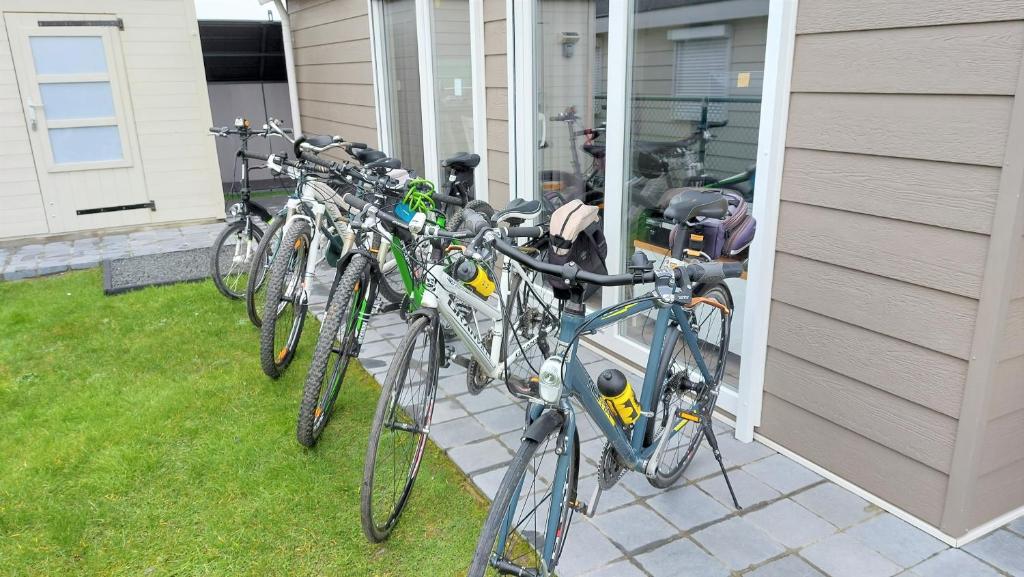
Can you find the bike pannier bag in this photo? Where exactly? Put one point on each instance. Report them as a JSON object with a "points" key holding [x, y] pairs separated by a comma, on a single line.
{"points": [[576, 236]]}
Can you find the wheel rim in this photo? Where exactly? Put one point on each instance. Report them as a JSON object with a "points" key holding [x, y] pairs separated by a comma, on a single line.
{"points": [[531, 335], [287, 324], [337, 365], [259, 292], [402, 436]]}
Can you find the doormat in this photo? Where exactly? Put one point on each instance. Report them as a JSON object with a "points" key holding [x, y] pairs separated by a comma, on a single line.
{"points": [[131, 273]]}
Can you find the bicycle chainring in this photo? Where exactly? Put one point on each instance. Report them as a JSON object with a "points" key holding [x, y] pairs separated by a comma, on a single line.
{"points": [[609, 469]]}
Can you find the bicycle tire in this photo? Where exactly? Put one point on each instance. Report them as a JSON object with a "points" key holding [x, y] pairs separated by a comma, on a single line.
{"points": [[664, 478], [286, 273], [231, 282], [390, 401], [512, 484], [316, 410], [256, 290], [391, 285]]}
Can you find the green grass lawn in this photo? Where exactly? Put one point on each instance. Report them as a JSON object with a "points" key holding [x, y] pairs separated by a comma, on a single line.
{"points": [[138, 436]]}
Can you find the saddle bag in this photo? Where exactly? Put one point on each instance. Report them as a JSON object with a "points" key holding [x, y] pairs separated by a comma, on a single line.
{"points": [[576, 236], [725, 237]]}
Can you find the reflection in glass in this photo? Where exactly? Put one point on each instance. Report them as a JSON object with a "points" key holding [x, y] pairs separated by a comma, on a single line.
{"points": [[68, 54], [403, 82], [85, 144], [67, 100], [453, 78]]}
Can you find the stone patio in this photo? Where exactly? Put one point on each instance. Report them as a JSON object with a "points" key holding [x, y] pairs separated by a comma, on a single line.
{"points": [[793, 522]]}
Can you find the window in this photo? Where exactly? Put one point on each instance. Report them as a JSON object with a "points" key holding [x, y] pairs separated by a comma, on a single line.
{"points": [[701, 72]]}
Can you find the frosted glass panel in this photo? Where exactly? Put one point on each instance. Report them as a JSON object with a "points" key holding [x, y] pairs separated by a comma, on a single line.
{"points": [[68, 54], [85, 144], [77, 100]]}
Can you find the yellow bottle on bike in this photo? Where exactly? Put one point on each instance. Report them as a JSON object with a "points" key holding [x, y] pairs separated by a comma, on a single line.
{"points": [[618, 397], [475, 277]]}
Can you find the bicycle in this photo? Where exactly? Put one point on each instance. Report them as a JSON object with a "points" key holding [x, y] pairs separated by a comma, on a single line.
{"points": [[532, 511], [455, 294], [363, 274], [235, 246]]}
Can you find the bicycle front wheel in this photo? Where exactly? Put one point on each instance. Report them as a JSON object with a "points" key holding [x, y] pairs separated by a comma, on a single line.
{"points": [[683, 388], [333, 352], [256, 291], [514, 536], [285, 310], [232, 255], [399, 432]]}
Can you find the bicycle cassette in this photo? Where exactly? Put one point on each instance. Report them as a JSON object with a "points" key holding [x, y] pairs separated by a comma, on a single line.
{"points": [[609, 469]]}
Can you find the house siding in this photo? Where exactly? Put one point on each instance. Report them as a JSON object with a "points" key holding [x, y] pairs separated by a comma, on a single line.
{"points": [[496, 86], [171, 112], [889, 192], [334, 69]]}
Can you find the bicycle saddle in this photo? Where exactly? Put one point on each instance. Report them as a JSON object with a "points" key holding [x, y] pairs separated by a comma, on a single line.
{"points": [[462, 161], [595, 150], [691, 203], [517, 211], [319, 140], [367, 155], [384, 163]]}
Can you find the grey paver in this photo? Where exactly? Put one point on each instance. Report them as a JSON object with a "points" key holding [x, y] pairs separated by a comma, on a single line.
{"points": [[788, 566], [1016, 525], [953, 562], [451, 386], [1003, 549], [486, 454], [750, 491], [488, 482], [586, 549], [703, 465], [782, 473], [735, 453], [681, 557], [84, 261], [637, 484], [738, 543], [634, 527], [610, 499], [512, 440], [617, 569], [446, 410], [51, 267], [458, 432], [843, 556], [489, 398], [383, 348], [503, 419], [896, 539], [19, 271], [835, 504], [687, 507], [791, 524]]}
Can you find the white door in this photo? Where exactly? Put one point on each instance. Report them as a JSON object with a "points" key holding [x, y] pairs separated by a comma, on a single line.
{"points": [[77, 109]]}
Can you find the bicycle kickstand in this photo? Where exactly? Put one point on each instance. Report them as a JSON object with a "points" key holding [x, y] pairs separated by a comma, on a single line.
{"points": [[710, 436]]}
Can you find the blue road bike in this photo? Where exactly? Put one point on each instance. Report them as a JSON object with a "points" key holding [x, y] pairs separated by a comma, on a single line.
{"points": [[655, 432]]}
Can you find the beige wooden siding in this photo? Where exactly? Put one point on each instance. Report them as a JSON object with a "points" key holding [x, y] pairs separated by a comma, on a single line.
{"points": [[897, 137], [496, 83], [171, 110], [333, 68]]}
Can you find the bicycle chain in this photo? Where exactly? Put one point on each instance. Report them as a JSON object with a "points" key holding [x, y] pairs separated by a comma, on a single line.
{"points": [[609, 470]]}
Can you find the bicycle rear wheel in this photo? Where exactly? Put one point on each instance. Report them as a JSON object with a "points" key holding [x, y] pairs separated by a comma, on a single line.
{"points": [[513, 537], [682, 386], [256, 291], [285, 311], [399, 431], [231, 257], [333, 352]]}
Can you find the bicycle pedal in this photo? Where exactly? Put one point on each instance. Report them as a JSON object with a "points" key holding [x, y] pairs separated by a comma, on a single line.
{"points": [[461, 360], [446, 358]]}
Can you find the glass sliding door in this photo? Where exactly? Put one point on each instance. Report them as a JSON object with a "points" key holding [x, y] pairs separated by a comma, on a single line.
{"points": [[453, 78], [400, 60], [692, 120]]}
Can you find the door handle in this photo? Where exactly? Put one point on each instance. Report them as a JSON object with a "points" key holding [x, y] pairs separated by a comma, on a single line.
{"points": [[32, 119]]}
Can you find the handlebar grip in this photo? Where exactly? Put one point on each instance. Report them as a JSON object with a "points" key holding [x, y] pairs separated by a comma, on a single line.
{"points": [[316, 160], [473, 221], [254, 155], [353, 202], [710, 272], [445, 199], [524, 232]]}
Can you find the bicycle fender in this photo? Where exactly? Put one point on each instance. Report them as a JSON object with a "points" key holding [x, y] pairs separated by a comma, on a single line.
{"points": [[259, 211], [544, 424]]}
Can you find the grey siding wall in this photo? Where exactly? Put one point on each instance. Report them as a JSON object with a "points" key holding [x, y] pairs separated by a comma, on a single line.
{"points": [[496, 82], [333, 68], [889, 194]]}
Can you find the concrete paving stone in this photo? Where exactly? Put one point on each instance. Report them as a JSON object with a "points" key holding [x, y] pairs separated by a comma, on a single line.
{"points": [[637, 484], [586, 549], [51, 267], [384, 348], [953, 562], [789, 566], [19, 271], [750, 491], [144, 249], [736, 454], [592, 449], [451, 386], [681, 557], [585, 427], [488, 482], [84, 261], [32, 249], [634, 526], [394, 331], [1016, 525], [512, 440], [388, 319], [836, 505], [896, 539], [619, 569], [488, 399], [790, 524], [610, 498], [447, 410], [373, 335], [61, 248], [486, 454], [738, 543], [688, 507], [704, 465], [1003, 549], [503, 419], [843, 556], [782, 473], [458, 432]]}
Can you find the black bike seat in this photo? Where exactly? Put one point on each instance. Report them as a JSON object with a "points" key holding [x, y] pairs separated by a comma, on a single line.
{"points": [[387, 163], [691, 203], [365, 155], [518, 210], [319, 140], [462, 161], [595, 150]]}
